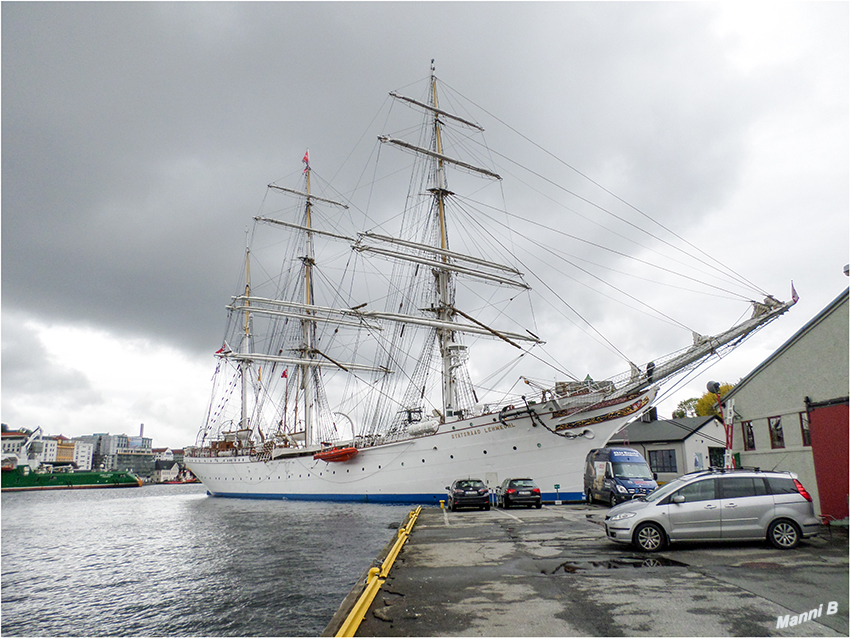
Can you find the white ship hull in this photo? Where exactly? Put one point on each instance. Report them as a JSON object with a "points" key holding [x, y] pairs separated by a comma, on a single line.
{"points": [[491, 447]]}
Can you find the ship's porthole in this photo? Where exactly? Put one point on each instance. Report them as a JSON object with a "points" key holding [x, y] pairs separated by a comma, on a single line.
{"points": [[362, 469], [451, 456], [379, 467], [515, 447], [402, 463], [538, 445], [423, 460], [485, 451]]}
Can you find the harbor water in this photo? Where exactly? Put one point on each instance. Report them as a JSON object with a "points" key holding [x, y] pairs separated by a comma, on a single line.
{"points": [[168, 560]]}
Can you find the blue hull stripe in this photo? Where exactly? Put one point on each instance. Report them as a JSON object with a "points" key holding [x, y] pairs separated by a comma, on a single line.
{"points": [[405, 499]]}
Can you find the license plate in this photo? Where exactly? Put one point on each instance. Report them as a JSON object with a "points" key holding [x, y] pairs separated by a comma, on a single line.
{"points": [[472, 493], [524, 493]]}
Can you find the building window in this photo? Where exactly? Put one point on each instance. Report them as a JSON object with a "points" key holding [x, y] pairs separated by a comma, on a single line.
{"points": [[662, 460], [749, 437], [717, 456], [804, 428], [774, 425]]}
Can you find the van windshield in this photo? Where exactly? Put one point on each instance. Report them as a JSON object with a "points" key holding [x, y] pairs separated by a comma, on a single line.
{"points": [[632, 471]]}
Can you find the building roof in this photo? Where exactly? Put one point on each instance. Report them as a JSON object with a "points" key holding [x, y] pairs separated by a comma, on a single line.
{"points": [[660, 430], [830, 308]]}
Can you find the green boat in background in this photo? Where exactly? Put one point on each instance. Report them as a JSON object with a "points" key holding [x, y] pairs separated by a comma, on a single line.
{"points": [[24, 477], [21, 472]]}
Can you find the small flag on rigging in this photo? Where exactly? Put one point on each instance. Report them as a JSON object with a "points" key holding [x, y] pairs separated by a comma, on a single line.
{"points": [[306, 160]]}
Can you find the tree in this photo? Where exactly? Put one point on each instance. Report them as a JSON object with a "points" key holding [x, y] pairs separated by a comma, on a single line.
{"points": [[706, 405], [686, 408]]}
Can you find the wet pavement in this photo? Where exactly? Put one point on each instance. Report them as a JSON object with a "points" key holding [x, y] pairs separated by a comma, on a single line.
{"points": [[552, 572]]}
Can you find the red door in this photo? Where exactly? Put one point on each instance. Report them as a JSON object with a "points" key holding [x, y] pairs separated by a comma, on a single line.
{"points": [[828, 424]]}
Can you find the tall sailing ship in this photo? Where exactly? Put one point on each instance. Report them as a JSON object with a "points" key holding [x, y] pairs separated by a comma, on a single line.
{"points": [[318, 394]]}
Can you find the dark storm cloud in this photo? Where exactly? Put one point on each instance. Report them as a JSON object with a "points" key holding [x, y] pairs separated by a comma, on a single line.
{"points": [[138, 137]]}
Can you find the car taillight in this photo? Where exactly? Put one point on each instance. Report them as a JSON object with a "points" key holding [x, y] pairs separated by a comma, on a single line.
{"points": [[802, 490], [536, 490], [510, 491]]}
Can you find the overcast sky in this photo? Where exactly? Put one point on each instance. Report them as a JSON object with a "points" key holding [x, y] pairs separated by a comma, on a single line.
{"points": [[138, 138]]}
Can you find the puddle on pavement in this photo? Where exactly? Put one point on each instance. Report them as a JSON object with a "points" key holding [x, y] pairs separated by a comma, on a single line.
{"points": [[571, 567]]}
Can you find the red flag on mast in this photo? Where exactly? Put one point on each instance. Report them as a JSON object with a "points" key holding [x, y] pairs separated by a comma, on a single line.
{"points": [[306, 160]]}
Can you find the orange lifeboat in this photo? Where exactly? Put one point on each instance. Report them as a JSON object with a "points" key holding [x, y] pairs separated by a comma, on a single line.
{"points": [[336, 454]]}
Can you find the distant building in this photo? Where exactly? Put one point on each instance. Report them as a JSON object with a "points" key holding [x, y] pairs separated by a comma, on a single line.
{"points": [[165, 471], [83, 453], [14, 441], [45, 450], [64, 450], [163, 454], [791, 412], [122, 452], [673, 447], [51, 450]]}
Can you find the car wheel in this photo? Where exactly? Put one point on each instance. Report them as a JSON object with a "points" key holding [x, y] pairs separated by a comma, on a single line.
{"points": [[487, 507], [589, 496], [649, 537], [783, 534], [613, 500], [539, 505], [507, 503], [452, 507]]}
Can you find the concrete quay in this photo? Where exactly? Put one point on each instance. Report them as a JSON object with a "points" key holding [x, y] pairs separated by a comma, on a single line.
{"points": [[552, 572]]}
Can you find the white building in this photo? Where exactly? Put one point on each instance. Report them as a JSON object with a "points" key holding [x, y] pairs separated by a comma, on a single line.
{"points": [[673, 447], [83, 453], [163, 454]]}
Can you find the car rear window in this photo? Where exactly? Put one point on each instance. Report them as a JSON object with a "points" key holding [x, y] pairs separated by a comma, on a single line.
{"points": [[523, 483], [470, 485], [781, 485]]}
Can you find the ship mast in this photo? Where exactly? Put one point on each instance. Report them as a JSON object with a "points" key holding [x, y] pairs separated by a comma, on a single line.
{"points": [[245, 364], [307, 326], [444, 261], [445, 336]]}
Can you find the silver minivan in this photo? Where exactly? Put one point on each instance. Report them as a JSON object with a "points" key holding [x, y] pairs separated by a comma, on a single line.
{"points": [[717, 505]]}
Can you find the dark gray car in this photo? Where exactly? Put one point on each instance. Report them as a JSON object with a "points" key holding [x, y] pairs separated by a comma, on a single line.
{"points": [[468, 493], [717, 505], [518, 491]]}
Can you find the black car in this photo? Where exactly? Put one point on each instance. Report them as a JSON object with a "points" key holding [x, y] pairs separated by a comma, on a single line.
{"points": [[518, 491], [469, 493]]}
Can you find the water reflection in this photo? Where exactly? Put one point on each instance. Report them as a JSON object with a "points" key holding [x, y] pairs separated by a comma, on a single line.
{"points": [[169, 560]]}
